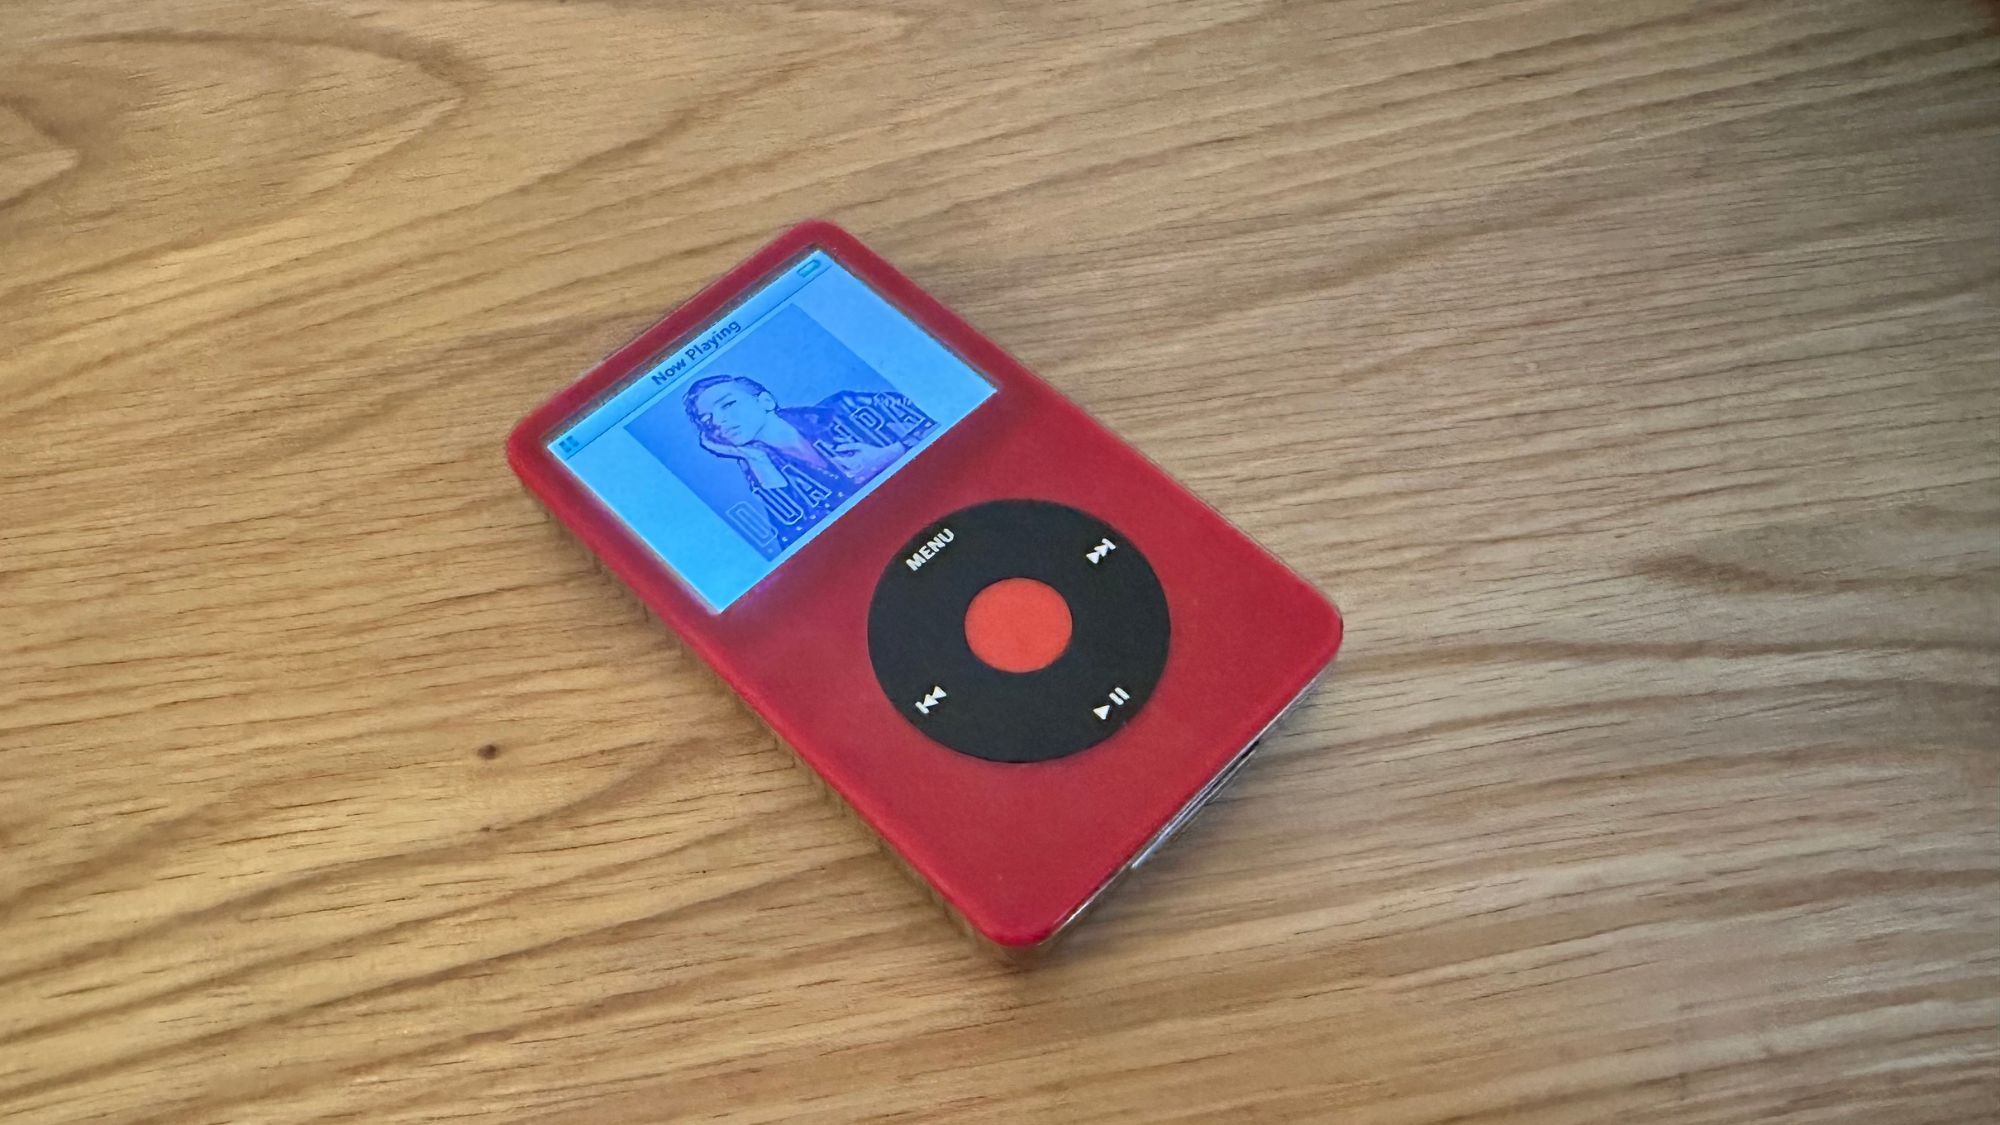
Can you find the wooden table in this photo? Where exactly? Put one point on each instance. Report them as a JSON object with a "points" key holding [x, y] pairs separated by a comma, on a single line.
{"points": [[1628, 369]]}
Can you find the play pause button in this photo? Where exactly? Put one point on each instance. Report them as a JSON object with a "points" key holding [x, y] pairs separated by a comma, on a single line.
{"points": [[1118, 697]]}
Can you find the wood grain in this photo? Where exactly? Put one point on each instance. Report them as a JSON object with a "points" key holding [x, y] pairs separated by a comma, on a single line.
{"points": [[1628, 369]]}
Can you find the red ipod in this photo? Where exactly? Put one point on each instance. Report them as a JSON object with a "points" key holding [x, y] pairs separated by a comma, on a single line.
{"points": [[1019, 651]]}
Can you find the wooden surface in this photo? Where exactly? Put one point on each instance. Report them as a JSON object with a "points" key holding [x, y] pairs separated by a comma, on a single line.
{"points": [[1628, 369]]}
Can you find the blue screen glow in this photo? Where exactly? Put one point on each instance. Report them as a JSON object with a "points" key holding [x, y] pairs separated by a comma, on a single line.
{"points": [[756, 432]]}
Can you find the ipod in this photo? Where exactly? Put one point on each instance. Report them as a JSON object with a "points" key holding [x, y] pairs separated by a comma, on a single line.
{"points": [[1017, 650]]}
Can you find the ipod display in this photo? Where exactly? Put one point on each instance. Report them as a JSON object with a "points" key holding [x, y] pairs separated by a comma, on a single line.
{"points": [[1019, 652], [732, 451]]}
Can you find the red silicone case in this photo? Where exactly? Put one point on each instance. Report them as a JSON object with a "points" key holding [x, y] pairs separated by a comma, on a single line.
{"points": [[1015, 849]]}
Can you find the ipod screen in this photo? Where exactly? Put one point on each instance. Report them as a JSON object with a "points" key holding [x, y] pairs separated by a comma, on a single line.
{"points": [[757, 431]]}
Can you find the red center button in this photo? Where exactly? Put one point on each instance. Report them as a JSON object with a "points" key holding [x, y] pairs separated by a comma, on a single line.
{"points": [[1018, 625]]}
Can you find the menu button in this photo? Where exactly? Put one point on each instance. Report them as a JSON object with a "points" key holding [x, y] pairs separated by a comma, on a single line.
{"points": [[929, 550]]}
